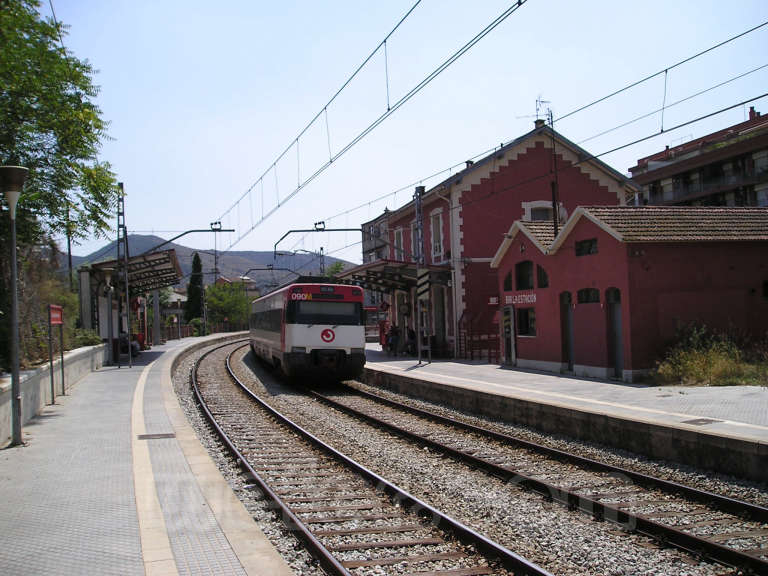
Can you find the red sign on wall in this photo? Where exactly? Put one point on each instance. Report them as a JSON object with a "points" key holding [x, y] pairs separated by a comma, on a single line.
{"points": [[55, 314]]}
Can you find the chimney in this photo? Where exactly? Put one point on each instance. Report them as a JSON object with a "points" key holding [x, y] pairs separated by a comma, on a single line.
{"points": [[538, 123], [469, 163], [753, 114]]}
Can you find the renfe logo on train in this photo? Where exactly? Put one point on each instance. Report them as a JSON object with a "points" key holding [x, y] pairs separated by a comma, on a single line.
{"points": [[328, 335]]}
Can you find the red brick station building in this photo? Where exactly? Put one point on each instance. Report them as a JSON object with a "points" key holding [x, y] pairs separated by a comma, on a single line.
{"points": [[596, 289]]}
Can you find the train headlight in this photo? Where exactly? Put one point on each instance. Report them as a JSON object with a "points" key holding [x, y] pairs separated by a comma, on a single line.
{"points": [[299, 349]]}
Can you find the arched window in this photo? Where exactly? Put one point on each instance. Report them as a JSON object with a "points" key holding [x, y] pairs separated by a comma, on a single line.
{"points": [[524, 275], [588, 296], [542, 279]]}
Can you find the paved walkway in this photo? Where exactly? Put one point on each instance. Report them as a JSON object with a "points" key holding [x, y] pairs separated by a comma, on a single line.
{"points": [[734, 411], [89, 493]]}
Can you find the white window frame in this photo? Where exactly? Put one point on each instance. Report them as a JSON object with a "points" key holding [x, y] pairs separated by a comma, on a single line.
{"points": [[437, 248], [397, 244], [529, 206]]}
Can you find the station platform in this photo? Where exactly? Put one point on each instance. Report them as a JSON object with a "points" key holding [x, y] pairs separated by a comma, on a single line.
{"points": [[724, 429], [112, 480]]}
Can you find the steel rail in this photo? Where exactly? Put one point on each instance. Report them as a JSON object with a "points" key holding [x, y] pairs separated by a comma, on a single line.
{"points": [[746, 510], [291, 521], [509, 559], [666, 535]]}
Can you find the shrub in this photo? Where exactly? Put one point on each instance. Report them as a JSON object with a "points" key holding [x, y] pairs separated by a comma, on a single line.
{"points": [[85, 337], [196, 324], [699, 355]]}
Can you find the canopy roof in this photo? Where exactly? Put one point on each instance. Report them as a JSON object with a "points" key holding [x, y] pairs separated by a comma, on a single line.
{"points": [[391, 275], [146, 272]]}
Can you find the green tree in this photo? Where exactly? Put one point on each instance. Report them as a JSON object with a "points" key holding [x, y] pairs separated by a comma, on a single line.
{"points": [[49, 124], [227, 303], [193, 307], [334, 269]]}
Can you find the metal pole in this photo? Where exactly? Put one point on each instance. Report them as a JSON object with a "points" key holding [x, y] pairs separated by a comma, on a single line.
{"points": [[110, 328], [127, 299], [15, 383], [12, 184], [69, 252], [156, 335], [420, 260], [50, 355], [61, 350], [205, 315]]}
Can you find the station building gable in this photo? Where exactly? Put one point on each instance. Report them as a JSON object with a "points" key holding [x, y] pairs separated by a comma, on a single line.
{"points": [[620, 280], [464, 219]]}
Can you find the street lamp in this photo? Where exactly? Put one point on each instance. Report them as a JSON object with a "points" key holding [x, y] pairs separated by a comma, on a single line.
{"points": [[12, 183], [108, 290]]}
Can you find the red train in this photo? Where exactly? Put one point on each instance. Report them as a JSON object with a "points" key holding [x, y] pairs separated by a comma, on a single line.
{"points": [[311, 330]]}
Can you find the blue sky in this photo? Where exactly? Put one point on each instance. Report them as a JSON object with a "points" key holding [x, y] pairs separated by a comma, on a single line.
{"points": [[201, 100]]}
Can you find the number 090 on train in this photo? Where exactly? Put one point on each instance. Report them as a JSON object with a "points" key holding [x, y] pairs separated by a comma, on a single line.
{"points": [[311, 330]]}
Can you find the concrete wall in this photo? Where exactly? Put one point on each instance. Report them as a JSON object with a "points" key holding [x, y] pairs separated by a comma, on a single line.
{"points": [[727, 455], [36, 384]]}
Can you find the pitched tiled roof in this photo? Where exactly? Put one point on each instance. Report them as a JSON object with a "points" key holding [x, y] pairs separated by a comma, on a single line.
{"points": [[683, 223], [542, 230]]}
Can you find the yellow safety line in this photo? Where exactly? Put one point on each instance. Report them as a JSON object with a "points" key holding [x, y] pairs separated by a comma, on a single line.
{"points": [[155, 546]]}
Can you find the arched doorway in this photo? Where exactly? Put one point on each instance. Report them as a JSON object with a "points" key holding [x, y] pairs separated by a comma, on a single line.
{"points": [[613, 325]]}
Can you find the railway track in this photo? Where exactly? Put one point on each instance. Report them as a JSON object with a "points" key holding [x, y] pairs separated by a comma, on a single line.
{"points": [[351, 519], [713, 527]]}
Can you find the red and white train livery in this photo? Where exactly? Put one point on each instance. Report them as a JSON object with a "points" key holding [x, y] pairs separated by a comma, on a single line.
{"points": [[310, 330]]}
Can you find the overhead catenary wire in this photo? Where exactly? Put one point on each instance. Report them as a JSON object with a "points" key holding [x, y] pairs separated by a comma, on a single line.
{"points": [[324, 109], [410, 94], [662, 71], [548, 174], [677, 102], [634, 142], [484, 153], [405, 98]]}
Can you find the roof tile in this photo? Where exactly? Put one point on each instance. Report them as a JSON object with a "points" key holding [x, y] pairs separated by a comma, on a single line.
{"points": [[684, 223]]}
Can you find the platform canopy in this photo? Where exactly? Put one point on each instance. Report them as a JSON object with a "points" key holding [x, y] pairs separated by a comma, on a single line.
{"points": [[390, 275], [146, 272]]}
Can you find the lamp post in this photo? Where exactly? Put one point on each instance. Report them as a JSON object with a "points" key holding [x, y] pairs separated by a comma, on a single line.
{"points": [[108, 293], [12, 183]]}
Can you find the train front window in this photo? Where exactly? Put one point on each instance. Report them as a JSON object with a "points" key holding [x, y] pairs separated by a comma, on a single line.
{"points": [[315, 312]]}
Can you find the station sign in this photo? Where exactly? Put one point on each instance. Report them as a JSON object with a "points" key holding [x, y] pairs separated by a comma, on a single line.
{"points": [[529, 298], [55, 314]]}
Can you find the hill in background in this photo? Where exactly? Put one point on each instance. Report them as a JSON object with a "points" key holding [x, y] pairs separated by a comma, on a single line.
{"points": [[232, 264]]}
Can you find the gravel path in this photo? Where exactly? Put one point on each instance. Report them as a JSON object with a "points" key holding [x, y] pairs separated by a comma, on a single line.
{"points": [[703, 480], [560, 541], [283, 540]]}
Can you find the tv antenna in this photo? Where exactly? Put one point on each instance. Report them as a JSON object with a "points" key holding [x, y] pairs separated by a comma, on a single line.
{"points": [[539, 108]]}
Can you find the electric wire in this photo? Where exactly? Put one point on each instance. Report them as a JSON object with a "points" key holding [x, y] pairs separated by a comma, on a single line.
{"points": [[433, 75], [548, 175], [649, 114], [325, 108], [591, 157], [490, 150], [410, 94], [663, 71]]}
